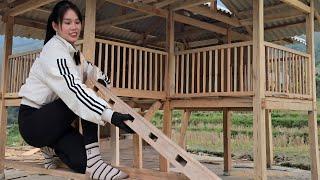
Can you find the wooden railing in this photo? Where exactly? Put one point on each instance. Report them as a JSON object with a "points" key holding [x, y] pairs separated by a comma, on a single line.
{"points": [[134, 68], [288, 72], [224, 70], [19, 67]]}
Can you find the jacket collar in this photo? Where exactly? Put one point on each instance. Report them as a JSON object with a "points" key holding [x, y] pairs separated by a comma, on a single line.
{"points": [[69, 46]]}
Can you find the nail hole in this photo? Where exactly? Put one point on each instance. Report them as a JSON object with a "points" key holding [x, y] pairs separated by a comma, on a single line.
{"points": [[153, 137], [180, 160], [111, 102]]}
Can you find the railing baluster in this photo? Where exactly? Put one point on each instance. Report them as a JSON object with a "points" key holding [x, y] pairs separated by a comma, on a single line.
{"points": [[210, 71], [130, 68], [204, 71], [222, 70], [182, 75], [187, 74], [150, 70], [216, 70]]}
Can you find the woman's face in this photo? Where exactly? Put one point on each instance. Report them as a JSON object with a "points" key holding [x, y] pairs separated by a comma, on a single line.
{"points": [[70, 27]]}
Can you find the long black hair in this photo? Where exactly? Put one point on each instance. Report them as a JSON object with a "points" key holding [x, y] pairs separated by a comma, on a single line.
{"points": [[57, 16]]}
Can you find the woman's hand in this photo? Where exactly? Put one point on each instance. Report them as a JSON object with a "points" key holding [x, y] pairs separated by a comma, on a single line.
{"points": [[118, 120]]}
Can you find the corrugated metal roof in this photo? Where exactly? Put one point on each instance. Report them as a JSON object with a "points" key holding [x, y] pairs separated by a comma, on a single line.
{"points": [[155, 26]]}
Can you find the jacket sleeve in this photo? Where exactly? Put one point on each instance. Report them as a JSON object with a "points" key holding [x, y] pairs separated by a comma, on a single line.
{"points": [[60, 73]]}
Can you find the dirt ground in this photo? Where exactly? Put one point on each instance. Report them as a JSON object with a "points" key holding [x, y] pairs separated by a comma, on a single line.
{"points": [[240, 169]]}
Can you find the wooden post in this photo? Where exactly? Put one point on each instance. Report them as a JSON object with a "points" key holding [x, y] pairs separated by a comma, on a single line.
{"points": [[170, 84], [171, 58], [269, 142], [164, 163], [183, 129], [3, 121], [137, 148], [114, 145], [89, 31], [259, 129], [312, 115], [227, 116]]}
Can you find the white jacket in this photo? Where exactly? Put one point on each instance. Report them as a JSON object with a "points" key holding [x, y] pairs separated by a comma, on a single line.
{"points": [[54, 74]]}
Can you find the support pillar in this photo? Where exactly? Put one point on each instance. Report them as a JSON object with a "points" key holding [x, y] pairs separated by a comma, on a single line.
{"points": [[184, 127], [167, 116], [259, 129], [3, 110], [89, 31], [169, 84], [227, 117], [269, 138], [312, 115]]}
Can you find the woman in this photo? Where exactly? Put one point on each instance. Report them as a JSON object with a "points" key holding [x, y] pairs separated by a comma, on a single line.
{"points": [[54, 95]]}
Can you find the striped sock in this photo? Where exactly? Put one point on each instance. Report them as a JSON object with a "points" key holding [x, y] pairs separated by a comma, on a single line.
{"points": [[97, 168], [50, 158]]}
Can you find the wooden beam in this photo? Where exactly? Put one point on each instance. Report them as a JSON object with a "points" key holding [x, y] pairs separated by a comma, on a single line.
{"points": [[204, 11], [285, 15], [27, 6], [186, 3], [212, 103], [30, 23], [177, 17], [89, 31], [227, 124], [164, 3], [298, 5], [4, 75], [312, 115], [152, 110], [259, 130]]}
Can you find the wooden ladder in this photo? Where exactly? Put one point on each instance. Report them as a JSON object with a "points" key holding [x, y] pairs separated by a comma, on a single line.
{"points": [[152, 135]]}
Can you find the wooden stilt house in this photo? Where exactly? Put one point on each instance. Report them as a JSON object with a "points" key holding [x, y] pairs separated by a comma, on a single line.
{"points": [[188, 55]]}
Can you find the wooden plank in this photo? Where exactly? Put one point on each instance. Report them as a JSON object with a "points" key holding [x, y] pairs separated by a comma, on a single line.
{"points": [[153, 136], [287, 104], [139, 93], [130, 69], [118, 68], [156, 62], [228, 69], [298, 5], [187, 74], [124, 62], [235, 69], [143, 174], [241, 68], [8, 29], [222, 70], [100, 55], [259, 135], [212, 103], [249, 69], [140, 70], [182, 75], [145, 68], [214, 94], [269, 143], [183, 128], [204, 71], [135, 53], [210, 71], [161, 72], [112, 65], [177, 74], [227, 117], [150, 71], [193, 73], [198, 62], [89, 31], [152, 110], [216, 70]]}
